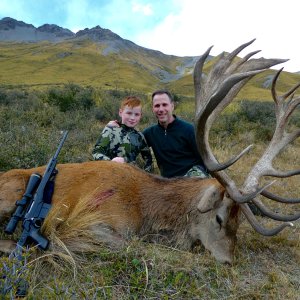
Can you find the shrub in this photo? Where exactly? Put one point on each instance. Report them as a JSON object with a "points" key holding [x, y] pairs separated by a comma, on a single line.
{"points": [[71, 97], [247, 116]]}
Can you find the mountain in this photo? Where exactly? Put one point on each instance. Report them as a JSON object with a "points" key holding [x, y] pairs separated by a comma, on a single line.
{"points": [[52, 55], [13, 30]]}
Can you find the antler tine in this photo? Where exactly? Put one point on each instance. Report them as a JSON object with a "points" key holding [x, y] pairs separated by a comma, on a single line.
{"points": [[291, 91], [223, 70], [275, 216], [197, 76], [225, 63], [280, 139], [287, 94], [254, 223], [277, 198], [280, 105], [281, 174], [235, 52], [219, 167], [247, 57]]}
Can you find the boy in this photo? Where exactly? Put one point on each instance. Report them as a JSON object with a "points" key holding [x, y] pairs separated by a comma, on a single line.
{"points": [[124, 143]]}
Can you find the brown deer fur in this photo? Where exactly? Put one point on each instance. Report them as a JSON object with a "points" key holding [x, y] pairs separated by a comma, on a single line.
{"points": [[129, 202]]}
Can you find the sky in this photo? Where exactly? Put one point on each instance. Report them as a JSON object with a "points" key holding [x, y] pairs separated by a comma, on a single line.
{"points": [[178, 27]]}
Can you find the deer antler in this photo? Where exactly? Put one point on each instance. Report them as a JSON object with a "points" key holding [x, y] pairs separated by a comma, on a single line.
{"points": [[213, 93], [280, 139]]}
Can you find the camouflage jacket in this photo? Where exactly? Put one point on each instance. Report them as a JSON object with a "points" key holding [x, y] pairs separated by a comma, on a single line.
{"points": [[123, 142]]}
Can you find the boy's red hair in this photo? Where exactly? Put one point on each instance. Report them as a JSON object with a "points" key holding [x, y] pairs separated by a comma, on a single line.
{"points": [[131, 101]]}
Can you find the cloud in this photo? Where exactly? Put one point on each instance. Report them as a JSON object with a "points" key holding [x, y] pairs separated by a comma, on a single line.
{"points": [[227, 24], [145, 9]]}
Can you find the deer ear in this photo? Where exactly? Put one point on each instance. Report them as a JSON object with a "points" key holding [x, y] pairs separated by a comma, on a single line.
{"points": [[209, 199]]}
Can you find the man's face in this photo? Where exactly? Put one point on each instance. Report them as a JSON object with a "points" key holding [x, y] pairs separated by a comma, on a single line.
{"points": [[131, 116], [163, 108]]}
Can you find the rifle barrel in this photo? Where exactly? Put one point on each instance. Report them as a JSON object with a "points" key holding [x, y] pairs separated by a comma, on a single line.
{"points": [[61, 144]]}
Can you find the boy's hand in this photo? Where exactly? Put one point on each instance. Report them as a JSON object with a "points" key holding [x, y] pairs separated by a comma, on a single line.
{"points": [[113, 123], [118, 159]]}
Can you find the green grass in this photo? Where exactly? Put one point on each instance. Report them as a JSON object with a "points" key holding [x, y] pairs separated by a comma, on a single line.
{"points": [[80, 62], [30, 128], [263, 268], [31, 65]]}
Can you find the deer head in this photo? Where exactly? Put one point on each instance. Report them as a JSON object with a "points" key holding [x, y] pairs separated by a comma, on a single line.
{"points": [[216, 90]]}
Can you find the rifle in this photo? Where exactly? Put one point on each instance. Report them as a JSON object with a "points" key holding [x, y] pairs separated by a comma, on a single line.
{"points": [[32, 209], [35, 204]]}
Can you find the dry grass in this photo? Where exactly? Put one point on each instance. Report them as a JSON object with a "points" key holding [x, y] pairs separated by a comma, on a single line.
{"points": [[263, 268]]}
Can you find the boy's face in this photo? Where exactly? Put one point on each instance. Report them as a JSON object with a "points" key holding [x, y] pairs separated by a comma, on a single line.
{"points": [[131, 116]]}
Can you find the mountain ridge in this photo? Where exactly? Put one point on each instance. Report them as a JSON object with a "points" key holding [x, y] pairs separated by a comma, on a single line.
{"points": [[19, 31], [162, 67], [50, 54], [96, 34]]}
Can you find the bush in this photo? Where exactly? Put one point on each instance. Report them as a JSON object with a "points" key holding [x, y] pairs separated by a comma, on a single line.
{"points": [[247, 116], [30, 131], [71, 97]]}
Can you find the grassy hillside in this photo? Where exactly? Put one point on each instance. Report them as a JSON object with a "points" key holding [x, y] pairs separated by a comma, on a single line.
{"points": [[45, 90], [87, 63], [82, 62], [263, 268], [45, 63]]}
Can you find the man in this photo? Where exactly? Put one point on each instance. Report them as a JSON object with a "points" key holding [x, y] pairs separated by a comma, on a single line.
{"points": [[173, 140]]}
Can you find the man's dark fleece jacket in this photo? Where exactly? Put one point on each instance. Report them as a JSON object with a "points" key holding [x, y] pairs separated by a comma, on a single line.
{"points": [[174, 148]]}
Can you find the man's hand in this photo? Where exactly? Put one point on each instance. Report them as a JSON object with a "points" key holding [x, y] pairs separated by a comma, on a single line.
{"points": [[118, 159], [113, 123]]}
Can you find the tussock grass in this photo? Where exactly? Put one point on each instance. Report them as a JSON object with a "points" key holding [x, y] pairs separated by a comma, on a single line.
{"points": [[263, 268]]}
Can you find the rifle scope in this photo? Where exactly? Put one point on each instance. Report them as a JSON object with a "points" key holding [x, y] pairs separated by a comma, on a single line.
{"points": [[22, 204]]}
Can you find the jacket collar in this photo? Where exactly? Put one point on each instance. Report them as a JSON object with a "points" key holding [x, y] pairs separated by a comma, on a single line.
{"points": [[125, 127], [170, 125]]}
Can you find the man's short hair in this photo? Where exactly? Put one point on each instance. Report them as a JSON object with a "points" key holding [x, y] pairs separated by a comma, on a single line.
{"points": [[161, 92], [131, 101]]}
